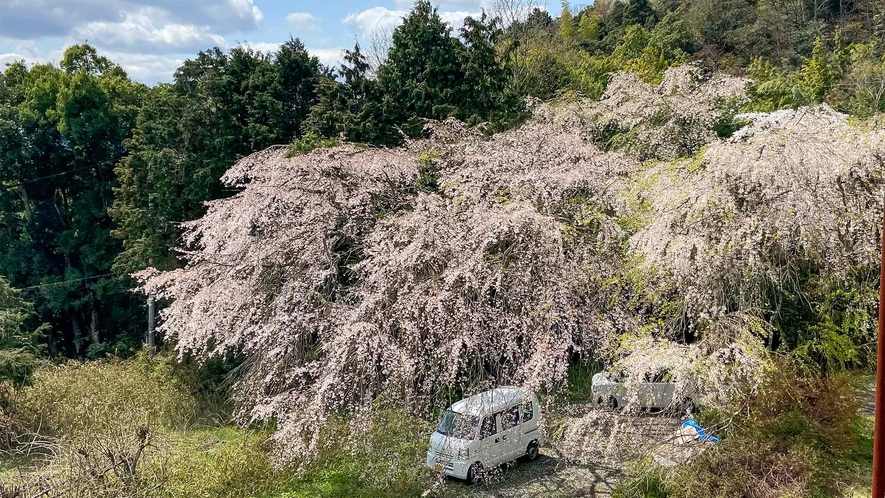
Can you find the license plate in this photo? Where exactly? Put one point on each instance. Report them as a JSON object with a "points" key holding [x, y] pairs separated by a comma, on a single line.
{"points": [[437, 467]]}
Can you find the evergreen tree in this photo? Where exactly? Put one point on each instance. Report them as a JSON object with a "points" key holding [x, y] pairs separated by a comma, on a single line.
{"points": [[640, 12], [350, 107], [19, 345], [221, 107], [588, 27], [422, 75], [61, 133], [484, 79]]}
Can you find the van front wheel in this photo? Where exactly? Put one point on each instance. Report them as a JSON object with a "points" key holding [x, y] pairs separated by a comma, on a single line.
{"points": [[474, 473], [531, 452]]}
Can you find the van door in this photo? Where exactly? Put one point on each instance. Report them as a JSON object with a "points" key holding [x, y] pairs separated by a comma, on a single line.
{"points": [[511, 443], [489, 441], [530, 427]]}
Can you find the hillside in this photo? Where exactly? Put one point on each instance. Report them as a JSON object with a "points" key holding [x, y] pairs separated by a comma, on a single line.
{"points": [[463, 261]]}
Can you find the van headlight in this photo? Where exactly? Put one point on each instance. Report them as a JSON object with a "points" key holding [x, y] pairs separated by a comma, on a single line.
{"points": [[463, 453]]}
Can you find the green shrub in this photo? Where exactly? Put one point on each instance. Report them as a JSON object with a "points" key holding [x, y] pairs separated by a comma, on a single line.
{"points": [[385, 450], [309, 143], [428, 171], [17, 365], [97, 397], [383, 458], [772, 88], [214, 463]]}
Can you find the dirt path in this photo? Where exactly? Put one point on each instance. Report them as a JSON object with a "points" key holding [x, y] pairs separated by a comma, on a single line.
{"points": [[547, 476], [868, 396]]}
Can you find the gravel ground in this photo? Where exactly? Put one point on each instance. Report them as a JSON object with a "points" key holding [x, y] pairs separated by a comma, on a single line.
{"points": [[585, 457], [548, 476]]}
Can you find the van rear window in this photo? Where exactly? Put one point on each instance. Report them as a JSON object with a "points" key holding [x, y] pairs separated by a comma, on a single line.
{"points": [[527, 411]]}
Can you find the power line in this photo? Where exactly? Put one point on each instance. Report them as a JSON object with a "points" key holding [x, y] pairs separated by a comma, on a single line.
{"points": [[32, 180], [65, 282]]}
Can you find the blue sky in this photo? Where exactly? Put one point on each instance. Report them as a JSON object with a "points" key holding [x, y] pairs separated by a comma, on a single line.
{"points": [[150, 38]]}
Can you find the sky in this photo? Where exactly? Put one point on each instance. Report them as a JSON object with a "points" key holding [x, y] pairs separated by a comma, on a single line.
{"points": [[151, 38]]}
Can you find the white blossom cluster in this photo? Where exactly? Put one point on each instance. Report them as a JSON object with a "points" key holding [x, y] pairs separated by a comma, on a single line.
{"points": [[794, 190], [341, 280], [666, 122]]}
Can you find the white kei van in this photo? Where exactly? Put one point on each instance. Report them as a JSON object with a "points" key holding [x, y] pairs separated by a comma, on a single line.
{"points": [[655, 391], [484, 431]]}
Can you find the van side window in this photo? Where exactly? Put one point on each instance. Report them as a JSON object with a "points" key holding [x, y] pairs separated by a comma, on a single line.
{"points": [[527, 411], [489, 426], [511, 418]]}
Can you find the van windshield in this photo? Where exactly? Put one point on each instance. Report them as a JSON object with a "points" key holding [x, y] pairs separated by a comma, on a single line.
{"points": [[458, 425]]}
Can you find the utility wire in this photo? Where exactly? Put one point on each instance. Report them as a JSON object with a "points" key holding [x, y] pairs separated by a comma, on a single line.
{"points": [[65, 282], [32, 180]]}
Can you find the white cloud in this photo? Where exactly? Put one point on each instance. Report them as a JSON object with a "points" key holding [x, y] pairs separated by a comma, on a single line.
{"points": [[146, 68], [37, 19], [302, 20], [26, 50], [330, 57], [376, 18], [262, 46], [384, 19], [9, 58], [456, 19], [149, 30], [463, 5], [247, 11]]}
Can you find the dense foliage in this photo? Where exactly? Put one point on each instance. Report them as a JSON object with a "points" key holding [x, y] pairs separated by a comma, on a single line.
{"points": [[19, 346], [220, 108], [61, 135]]}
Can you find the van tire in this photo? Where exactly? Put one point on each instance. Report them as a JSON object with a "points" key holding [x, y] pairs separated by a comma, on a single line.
{"points": [[612, 403], [474, 473], [531, 453]]}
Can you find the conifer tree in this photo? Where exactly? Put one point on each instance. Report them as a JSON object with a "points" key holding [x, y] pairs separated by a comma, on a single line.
{"points": [[422, 75]]}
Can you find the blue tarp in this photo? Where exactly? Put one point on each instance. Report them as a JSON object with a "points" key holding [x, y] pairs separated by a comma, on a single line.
{"points": [[702, 434]]}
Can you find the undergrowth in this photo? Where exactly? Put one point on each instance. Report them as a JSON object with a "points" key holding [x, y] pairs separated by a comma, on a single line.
{"points": [[132, 428], [799, 436]]}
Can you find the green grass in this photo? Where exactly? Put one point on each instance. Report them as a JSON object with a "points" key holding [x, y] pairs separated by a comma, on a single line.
{"points": [[859, 476], [231, 462], [12, 466]]}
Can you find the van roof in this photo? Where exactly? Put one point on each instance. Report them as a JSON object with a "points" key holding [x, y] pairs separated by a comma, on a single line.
{"points": [[489, 401]]}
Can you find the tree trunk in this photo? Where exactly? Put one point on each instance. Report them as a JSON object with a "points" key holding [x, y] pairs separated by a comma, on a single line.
{"points": [[78, 337], [23, 194], [93, 325]]}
